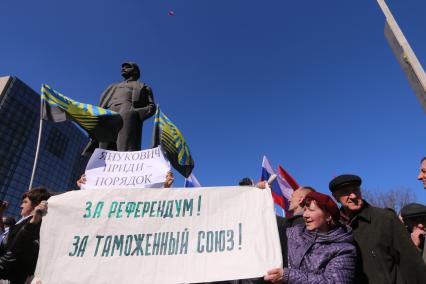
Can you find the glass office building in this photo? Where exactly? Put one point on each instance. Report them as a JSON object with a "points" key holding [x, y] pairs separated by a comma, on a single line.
{"points": [[60, 162]]}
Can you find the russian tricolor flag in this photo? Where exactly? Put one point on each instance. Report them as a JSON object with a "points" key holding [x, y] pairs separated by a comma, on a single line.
{"points": [[281, 188]]}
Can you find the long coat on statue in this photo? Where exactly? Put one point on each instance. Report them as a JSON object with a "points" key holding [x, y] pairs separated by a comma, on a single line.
{"points": [[134, 101]]}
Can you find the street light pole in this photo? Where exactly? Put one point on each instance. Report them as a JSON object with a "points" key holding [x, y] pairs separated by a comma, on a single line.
{"points": [[405, 55]]}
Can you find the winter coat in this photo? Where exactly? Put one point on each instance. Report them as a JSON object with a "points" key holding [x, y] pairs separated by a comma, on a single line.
{"points": [[386, 252], [315, 257], [20, 259], [283, 224]]}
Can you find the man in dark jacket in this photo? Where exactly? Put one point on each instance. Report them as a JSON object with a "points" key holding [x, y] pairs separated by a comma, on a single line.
{"points": [[134, 101], [387, 254], [18, 257], [414, 217]]}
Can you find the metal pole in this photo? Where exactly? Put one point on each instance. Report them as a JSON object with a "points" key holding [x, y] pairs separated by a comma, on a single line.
{"points": [[405, 55], [40, 130], [385, 9]]}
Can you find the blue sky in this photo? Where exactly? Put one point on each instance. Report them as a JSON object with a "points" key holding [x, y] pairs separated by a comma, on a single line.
{"points": [[311, 84]]}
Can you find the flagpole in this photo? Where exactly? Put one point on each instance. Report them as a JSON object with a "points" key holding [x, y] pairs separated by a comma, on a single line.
{"points": [[405, 55], [40, 129]]}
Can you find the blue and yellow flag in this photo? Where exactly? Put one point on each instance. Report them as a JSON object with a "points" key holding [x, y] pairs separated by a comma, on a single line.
{"points": [[101, 124], [173, 144]]}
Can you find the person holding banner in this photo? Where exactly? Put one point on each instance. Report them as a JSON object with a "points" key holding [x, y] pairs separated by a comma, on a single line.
{"points": [[19, 256], [322, 250]]}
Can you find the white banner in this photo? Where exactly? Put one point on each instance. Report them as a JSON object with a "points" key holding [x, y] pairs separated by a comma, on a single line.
{"points": [[158, 236], [112, 169]]}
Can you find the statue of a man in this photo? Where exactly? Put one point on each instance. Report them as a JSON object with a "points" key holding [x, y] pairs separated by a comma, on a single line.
{"points": [[134, 101]]}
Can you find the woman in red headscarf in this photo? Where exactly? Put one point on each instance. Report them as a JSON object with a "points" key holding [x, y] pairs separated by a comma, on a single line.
{"points": [[319, 251]]}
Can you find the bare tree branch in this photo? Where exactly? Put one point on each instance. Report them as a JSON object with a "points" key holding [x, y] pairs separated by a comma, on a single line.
{"points": [[394, 199]]}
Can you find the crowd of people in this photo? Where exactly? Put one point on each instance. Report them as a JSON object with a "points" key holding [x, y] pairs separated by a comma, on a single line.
{"points": [[320, 242], [357, 243]]}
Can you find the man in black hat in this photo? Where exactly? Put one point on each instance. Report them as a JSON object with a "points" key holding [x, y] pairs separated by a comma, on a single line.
{"points": [[414, 217], [386, 253], [134, 101]]}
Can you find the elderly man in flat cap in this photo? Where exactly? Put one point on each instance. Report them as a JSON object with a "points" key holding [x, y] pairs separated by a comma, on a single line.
{"points": [[386, 252], [134, 101]]}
